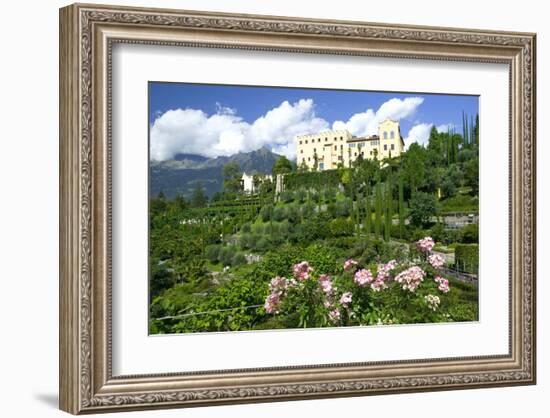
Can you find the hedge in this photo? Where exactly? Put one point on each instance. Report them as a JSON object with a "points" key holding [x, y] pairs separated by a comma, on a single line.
{"points": [[467, 257], [312, 179]]}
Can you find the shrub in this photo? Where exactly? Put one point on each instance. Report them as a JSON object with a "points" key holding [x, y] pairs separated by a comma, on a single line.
{"points": [[266, 212], [423, 207], [470, 234], [293, 213], [330, 194], [213, 252], [343, 208], [262, 244], [238, 259], [311, 230], [244, 241], [246, 227], [459, 203], [341, 227], [467, 257], [226, 255], [279, 213], [287, 196], [300, 195], [258, 229], [308, 210]]}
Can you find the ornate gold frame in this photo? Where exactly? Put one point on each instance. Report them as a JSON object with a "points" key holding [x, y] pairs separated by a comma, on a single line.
{"points": [[87, 33]]}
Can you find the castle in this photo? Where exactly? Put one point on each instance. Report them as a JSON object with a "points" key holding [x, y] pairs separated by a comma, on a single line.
{"points": [[326, 150]]}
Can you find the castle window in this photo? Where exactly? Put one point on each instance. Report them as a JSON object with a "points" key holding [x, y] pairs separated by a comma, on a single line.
{"points": [[300, 142], [355, 154], [314, 150], [392, 134], [326, 139], [306, 141], [385, 135], [321, 166], [341, 147], [303, 160], [335, 147], [301, 151], [392, 146], [309, 158], [385, 147], [341, 138]]}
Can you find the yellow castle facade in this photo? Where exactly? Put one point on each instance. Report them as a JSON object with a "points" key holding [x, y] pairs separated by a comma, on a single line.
{"points": [[328, 149]]}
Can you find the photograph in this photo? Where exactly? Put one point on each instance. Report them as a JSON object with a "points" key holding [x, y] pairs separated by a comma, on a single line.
{"points": [[265, 205], [275, 208]]}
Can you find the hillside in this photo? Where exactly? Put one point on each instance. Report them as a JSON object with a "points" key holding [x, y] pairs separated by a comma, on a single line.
{"points": [[181, 174]]}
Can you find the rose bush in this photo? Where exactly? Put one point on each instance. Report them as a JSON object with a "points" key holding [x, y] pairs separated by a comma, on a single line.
{"points": [[409, 291]]}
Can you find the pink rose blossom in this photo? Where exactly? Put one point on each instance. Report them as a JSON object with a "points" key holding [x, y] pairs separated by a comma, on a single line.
{"points": [[302, 270], [345, 300], [334, 315], [349, 264], [326, 283], [436, 260], [383, 273], [363, 277], [378, 285], [425, 244], [410, 278], [272, 302], [278, 283], [443, 284]]}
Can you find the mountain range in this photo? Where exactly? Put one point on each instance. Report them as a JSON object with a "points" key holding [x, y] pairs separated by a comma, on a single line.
{"points": [[181, 174]]}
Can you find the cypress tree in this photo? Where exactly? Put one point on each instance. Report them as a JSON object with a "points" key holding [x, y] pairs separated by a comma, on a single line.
{"points": [[368, 212], [358, 214], [466, 130], [389, 210], [401, 208], [378, 208], [464, 133], [472, 129], [476, 130]]}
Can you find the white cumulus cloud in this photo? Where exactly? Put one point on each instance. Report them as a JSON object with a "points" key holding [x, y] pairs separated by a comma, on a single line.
{"points": [[446, 127], [366, 123], [419, 133], [192, 131]]}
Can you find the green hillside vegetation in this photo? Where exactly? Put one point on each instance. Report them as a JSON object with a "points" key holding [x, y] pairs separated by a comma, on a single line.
{"points": [[211, 260]]}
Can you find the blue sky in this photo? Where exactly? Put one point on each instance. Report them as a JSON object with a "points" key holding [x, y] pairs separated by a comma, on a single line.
{"points": [[214, 120]]}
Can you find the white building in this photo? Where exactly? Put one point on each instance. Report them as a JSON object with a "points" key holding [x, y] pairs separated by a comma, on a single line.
{"points": [[247, 181], [326, 150]]}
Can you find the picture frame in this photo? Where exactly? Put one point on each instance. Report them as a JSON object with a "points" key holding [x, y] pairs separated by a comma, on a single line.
{"points": [[87, 36]]}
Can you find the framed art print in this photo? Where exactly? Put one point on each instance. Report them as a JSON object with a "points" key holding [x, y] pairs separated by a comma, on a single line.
{"points": [[259, 208]]}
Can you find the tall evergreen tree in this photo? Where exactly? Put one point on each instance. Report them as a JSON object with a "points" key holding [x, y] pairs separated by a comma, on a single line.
{"points": [[476, 131], [401, 207], [368, 212], [389, 209], [472, 130], [466, 130], [378, 208]]}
